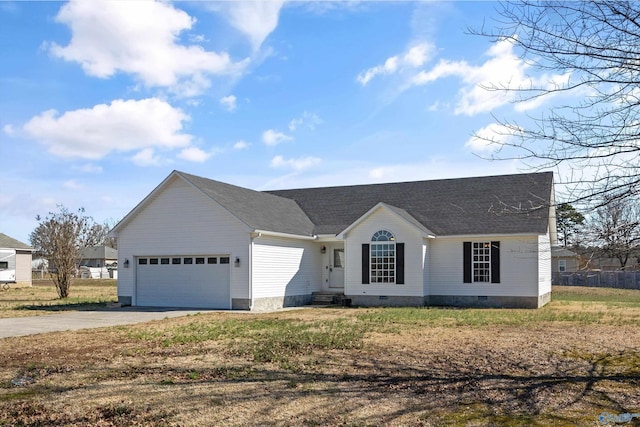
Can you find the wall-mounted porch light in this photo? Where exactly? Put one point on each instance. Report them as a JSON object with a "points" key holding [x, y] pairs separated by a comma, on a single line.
{"points": [[323, 249], [126, 263], [237, 262]]}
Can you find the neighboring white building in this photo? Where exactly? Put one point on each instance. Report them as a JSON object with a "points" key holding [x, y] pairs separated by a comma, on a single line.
{"points": [[98, 256], [15, 261], [195, 242]]}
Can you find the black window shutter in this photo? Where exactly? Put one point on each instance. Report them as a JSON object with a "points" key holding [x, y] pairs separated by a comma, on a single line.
{"points": [[495, 262], [400, 263], [365, 263], [466, 262]]}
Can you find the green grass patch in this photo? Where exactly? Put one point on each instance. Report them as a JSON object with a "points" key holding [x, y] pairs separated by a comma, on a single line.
{"points": [[625, 363], [570, 304], [19, 394], [264, 340], [480, 413], [279, 340], [284, 340], [611, 296], [453, 317]]}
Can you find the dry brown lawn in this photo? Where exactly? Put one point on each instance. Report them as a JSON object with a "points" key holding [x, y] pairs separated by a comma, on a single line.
{"points": [[42, 298], [564, 364]]}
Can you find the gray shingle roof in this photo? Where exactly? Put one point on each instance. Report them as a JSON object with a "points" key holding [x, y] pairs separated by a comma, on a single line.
{"points": [[99, 252], [11, 243], [259, 210], [557, 251], [505, 204]]}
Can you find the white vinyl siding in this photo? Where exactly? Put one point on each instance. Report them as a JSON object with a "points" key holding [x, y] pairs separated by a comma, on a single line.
{"points": [[8, 266], [285, 267], [544, 264], [8, 256], [182, 220], [384, 219], [518, 267]]}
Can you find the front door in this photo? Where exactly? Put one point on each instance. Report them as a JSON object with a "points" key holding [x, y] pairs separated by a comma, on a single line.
{"points": [[336, 268]]}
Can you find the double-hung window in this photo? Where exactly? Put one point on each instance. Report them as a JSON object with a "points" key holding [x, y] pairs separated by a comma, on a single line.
{"points": [[481, 262]]}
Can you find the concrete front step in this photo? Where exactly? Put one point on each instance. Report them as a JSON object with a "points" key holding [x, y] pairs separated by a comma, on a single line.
{"points": [[326, 298]]}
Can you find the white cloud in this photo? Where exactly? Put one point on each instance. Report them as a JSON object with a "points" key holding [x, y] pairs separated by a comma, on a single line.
{"points": [[240, 145], [414, 57], [298, 164], [72, 185], [444, 68], [228, 102], [308, 120], [503, 69], [490, 138], [140, 38], [418, 55], [120, 126], [273, 137], [146, 157], [89, 168], [435, 106], [255, 19], [8, 130], [194, 154]]}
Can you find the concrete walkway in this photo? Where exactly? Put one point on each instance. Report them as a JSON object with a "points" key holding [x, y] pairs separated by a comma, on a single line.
{"points": [[74, 320]]}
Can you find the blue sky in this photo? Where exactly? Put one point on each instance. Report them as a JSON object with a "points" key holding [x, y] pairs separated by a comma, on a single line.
{"points": [[100, 101]]}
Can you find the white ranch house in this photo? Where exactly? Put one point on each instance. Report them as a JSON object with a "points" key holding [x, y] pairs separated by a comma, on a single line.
{"points": [[195, 242]]}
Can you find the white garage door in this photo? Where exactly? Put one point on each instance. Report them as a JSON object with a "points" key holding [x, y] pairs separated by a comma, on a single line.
{"points": [[183, 281]]}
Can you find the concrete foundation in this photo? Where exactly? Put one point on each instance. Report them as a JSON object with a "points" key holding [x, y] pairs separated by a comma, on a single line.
{"points": [[274, 303], [385, 301], [488, 301], [240, 304]]}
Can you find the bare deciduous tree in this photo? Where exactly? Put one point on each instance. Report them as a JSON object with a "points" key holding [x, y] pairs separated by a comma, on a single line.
{"points": [[108, 225], [588, 54], [616, 228], [60, 237]]}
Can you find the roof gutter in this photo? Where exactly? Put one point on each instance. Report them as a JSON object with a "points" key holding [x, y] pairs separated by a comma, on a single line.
{"points": [[259, 233]]}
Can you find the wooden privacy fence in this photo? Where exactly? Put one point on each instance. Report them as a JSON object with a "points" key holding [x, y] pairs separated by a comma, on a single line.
{"points": [[599, 279]]}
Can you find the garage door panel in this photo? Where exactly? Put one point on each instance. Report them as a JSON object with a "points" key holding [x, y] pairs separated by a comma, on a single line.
{"points": [[183, 285]]}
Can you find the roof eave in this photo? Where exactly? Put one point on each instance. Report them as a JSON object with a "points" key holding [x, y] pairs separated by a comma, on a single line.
{"points": [[258, 233]]}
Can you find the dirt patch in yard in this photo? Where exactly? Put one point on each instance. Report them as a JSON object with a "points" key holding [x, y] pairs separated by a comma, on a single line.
{"points": [[332, 367]]}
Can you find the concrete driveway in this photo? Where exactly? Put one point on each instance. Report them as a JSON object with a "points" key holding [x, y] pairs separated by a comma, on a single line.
{"points": [[74, 320]]}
